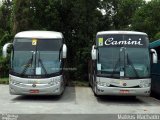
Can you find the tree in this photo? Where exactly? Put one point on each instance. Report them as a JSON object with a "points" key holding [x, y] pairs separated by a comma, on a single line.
{"points": [[84, 25], [121, 12], [157, 36], [79, 21], [5, 13], [22, 16], [5, 34], [35, 15], [147, 18]]}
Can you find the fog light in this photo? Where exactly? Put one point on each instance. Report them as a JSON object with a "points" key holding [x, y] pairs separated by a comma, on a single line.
{"points": [[55, 80]]}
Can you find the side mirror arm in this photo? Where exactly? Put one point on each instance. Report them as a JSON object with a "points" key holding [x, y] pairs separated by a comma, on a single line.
{"points": [[5, 48], [64, 51], [94, 52], [154, 56]]}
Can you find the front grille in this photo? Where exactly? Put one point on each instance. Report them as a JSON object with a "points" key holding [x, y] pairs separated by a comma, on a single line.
{"points": [[124, 87]]}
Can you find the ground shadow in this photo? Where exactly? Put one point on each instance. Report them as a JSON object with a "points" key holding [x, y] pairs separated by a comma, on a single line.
{"points": [[156, 95], [67, 96], [120, 100]]}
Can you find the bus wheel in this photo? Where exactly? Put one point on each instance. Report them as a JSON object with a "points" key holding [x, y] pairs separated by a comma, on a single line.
{"points": [[95, 94], [60, 95], [89, 80], [94, 90]]}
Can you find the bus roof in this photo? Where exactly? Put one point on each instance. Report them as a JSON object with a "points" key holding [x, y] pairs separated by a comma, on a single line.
{"points": [[121, 32], [154, 44], [39, 34]]}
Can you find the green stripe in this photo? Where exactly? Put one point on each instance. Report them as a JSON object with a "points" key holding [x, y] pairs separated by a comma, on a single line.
{"points": [[154, 44]]}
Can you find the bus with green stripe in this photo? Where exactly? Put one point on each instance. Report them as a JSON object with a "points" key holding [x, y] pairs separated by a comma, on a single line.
{"points": [[155, 69]]}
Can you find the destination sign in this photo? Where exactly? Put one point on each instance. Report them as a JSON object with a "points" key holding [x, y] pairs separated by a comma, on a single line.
{"points": [[122, 40]]}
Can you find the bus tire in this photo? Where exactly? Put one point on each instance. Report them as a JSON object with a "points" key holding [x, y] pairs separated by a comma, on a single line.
{"points": [[94, 90]]}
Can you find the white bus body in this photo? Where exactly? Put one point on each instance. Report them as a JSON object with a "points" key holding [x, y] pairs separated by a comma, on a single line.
{"points": [[120, 64], [37, 62]]}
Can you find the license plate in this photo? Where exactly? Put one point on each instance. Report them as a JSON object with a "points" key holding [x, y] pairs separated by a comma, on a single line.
{"points": [[34, 91], [124, 91]]}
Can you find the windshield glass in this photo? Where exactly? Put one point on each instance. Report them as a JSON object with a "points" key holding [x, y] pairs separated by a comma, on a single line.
{"points": [[124, 61], [110, 60], [36, 56]]}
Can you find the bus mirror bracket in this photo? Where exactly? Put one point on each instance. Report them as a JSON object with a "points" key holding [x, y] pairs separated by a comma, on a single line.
{"points": [[5, 48], [154, 56], [93, 53], [64, 51]]}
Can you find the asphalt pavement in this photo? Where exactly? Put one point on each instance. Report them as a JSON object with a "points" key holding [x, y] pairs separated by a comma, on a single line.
{"points": [[75, 101]]}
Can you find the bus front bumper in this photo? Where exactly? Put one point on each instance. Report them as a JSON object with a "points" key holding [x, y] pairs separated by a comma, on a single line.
{"points": [[31, 86], [123, 91], [18, 90], [29, 90]]}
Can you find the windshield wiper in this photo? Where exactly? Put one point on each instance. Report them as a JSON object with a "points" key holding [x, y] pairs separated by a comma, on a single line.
{"points": [[41, 62], [27, 65], [130, 62], [116, 65]]}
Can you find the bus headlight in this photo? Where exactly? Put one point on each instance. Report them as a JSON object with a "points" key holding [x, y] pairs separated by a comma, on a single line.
{"points": [[13, 81], [144, 83], [104, 84], [55, 80]]}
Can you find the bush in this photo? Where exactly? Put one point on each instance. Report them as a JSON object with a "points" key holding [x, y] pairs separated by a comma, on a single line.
{"points": [[4, 67], [157, 36], [4, 80]]}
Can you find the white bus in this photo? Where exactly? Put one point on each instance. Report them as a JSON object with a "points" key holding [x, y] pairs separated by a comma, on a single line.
{"points": [[120, 64], [37, 62]]}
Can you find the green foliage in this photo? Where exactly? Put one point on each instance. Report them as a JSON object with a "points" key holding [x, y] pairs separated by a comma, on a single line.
{"points": [[4, 67], [5, 14], [5, 36], [157, 36], [121, 12], [79, 21], [22, 16], [125, 11], [4, 80], [147, 18]]}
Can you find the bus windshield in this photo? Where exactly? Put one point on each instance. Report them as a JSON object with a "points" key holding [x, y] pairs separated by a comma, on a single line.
{"points": [[36, 56], [111, 61], [123, 61]]}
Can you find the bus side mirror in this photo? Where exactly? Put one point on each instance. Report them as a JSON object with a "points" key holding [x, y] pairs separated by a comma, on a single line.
{"points": [[154, 56], [64, 51], [5, 48], [93, 53]]}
